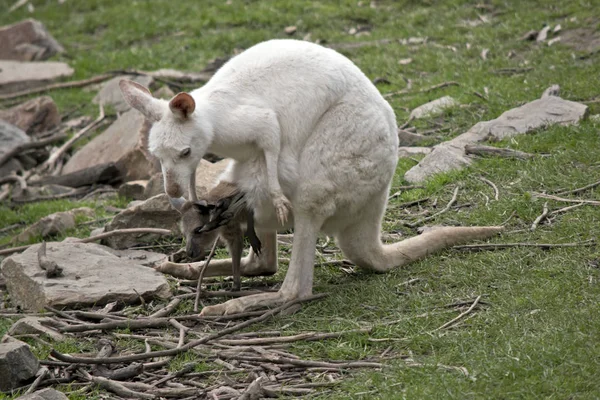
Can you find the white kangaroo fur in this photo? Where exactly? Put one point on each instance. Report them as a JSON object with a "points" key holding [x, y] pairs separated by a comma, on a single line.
{"points": [[332, 136]]}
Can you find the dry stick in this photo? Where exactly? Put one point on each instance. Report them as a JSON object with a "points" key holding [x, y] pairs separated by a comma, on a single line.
{"points": [[540, 217], [51, 267], [168, 309], [426, 90], [43, 371], [551, 197], [307, 336], [565, 209], [97, 237], [574, 191], [189, 345], [14, 178], [496, 192], [480, 150], [54, 157], [31, 145], [254, 391], [115, 387], [498, 246], [305, 363], [201, 276], [60, 85], [423, 220], [452, 321]]}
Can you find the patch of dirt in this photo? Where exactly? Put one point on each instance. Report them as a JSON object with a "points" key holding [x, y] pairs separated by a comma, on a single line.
{"points": [[582, 39]]}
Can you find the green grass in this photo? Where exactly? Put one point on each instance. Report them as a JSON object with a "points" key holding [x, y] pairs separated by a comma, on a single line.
{"points": [[536, 336]]}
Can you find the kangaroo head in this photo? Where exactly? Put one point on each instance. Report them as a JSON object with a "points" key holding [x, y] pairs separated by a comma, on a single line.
{"points": [[200, 224], [179, 138]]}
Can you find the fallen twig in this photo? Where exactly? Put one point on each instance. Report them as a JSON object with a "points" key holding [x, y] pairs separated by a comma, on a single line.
{"points": [[574, 191], [189, 345], [565, 209], [480, 150], [50, 163], [41, 374], [510, 71], [31, 145], [557, 198], [463, 314], [498, 246], [201, 276], [51, 267], [496, 192], [60, 85], [541, 217], [423, 220]]}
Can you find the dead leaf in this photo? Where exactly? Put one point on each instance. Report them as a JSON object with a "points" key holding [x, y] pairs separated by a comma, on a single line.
{"points": [[484, 54], [290, 30], [405, 61], [552, 41], [543, 34]]}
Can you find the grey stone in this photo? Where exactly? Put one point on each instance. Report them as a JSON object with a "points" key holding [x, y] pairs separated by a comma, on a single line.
{"points": [[406, 138], [34, 116], [15, 75], [122, 144], [36, 325], [433, 107], [133, 190], [164, 92], [27, 40], [44, 394], [156, 212], [111, 94], [92, 275], [10, 137], [539, 113], [17, 365], [49, 225]]}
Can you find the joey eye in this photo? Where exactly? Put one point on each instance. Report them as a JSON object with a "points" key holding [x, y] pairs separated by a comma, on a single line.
{"points": [[198, 230], [185, 152]]}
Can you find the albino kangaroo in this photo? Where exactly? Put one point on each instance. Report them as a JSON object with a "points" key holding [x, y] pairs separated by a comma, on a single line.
{"points": [[223, 213], [337, 155]]}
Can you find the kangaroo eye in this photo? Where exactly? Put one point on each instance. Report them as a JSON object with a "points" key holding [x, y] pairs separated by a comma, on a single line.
{"points": [[185, 152]]}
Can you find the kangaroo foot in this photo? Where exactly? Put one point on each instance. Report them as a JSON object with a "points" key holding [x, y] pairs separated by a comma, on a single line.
{"points": [[247, 303], [282, 207]]}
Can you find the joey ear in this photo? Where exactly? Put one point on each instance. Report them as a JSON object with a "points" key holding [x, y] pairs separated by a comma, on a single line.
{"points": [[203, 207], [182, 105], [140, 98]]}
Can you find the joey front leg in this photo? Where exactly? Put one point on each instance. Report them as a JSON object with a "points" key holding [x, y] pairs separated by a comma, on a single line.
{"points": [[236, 246]]}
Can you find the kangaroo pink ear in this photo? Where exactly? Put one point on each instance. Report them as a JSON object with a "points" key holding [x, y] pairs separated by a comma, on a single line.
{"points": [[140, 98], [182, 105]]}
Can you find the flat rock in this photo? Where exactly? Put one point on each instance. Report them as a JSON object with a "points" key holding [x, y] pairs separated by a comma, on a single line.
{"points": [[37, 326], [16, 75], [34, 116], [111, 94], [156, 212], [433, 107], [44, 394], [92, 275], [122, 144], [52, 224], [27, 40], [406, 138], [17, 365], [539, 113]]}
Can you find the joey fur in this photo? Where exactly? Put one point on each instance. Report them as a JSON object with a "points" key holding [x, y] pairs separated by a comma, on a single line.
{"points": [[336, 142], [221, 214]]}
